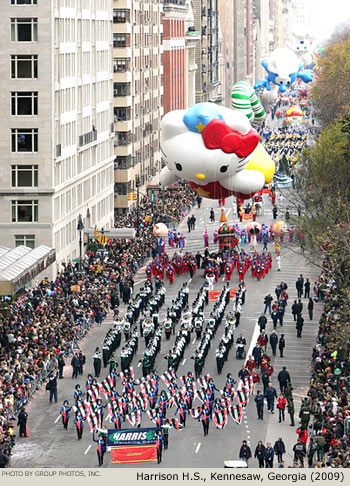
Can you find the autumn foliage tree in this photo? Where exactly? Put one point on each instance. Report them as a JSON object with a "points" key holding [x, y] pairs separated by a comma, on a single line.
{"points": [[330, 90], [323, 193]]}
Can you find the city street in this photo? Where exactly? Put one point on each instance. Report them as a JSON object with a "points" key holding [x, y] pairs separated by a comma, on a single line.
{"points": [[51, 446]]}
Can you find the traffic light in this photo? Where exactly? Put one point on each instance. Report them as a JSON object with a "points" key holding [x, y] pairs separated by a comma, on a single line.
{"points": [[152, 197], [129, 196], [134, 196]]}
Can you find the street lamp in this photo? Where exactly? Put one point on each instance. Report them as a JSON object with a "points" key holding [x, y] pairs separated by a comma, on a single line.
{"points": [[138, 184], [337, 373], [80, 228]]}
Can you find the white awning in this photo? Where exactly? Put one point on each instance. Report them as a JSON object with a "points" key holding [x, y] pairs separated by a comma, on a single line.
{"points": [[21, 265], [11, 256]]}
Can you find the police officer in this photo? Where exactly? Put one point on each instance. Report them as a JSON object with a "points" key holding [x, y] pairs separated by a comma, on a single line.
{"points": [[259, 400], [273, 342], [290, 408]]}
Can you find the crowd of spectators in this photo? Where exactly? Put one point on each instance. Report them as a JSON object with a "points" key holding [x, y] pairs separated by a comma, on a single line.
{"points": [[329, 392], [170, 207], [45, 323]]}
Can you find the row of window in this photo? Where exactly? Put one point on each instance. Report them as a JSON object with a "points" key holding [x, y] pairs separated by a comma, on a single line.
{"points": [[26, 139]]}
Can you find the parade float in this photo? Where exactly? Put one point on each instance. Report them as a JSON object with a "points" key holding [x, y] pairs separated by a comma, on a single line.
{"points": [[227, 237]]}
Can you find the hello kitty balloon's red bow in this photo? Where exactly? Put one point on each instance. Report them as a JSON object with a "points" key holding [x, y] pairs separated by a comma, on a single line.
{"points": [[218, 135]]}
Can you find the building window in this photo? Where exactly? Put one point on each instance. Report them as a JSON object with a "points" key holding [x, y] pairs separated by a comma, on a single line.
{"points": [[121, 40], [122, 114], [25, 211], [24, 66], [26, 240], [24, 30], [123, 162], [24, 2], [122, 138], [122, 188], [24, 176], [24, 103], [24, 139], [121, 65], [121, 89], [120, 16]]}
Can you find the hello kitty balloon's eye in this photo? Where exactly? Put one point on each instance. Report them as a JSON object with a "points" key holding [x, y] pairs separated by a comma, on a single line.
{"points": [[178, 167], [224, 168]]}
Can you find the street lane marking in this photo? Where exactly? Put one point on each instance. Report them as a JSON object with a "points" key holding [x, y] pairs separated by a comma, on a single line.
{"points": [[57, 419], [194, 340], [140, 281], [253, 342], [198, 447], [184, 361], [190, 280], [139, 365], [87, 450]]}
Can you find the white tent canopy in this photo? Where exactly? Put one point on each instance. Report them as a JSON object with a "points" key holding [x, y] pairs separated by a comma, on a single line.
{"points": [[20, 265]]}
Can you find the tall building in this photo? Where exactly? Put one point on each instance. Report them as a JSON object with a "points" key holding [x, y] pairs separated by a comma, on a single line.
{"points": [[240, 42], [250, 43], [56, 113], [261, 36], [299, 11], [283, 22], [226, 16], [208, 76], [179, 42], [192, 37], [138, 97]]}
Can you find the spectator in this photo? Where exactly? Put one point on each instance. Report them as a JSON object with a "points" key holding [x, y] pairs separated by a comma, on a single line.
{"points": [[245, 453]]}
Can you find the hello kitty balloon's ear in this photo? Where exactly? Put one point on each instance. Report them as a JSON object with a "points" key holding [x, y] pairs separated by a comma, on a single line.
{"points": [[172, 124]]}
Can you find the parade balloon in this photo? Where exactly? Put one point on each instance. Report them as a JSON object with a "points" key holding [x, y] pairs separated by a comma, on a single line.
{"points": [[209, 146], [301, 43], [283, 68], [279, 228], [294, 111], [160, 230], [253, 228], [244, 99], [260, 160]]}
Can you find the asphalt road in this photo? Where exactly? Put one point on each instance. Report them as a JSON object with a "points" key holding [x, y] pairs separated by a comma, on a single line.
{"points": [[51, 446]]}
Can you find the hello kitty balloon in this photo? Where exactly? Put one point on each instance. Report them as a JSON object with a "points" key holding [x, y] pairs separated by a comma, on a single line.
{"points": [[209, 146]]}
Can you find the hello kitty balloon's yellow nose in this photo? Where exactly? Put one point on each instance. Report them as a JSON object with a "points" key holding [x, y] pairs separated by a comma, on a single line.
{"points": [[200, 176]]}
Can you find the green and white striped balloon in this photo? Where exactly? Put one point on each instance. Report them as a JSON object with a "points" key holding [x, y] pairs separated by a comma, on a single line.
{"points": [[245, 100]]}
